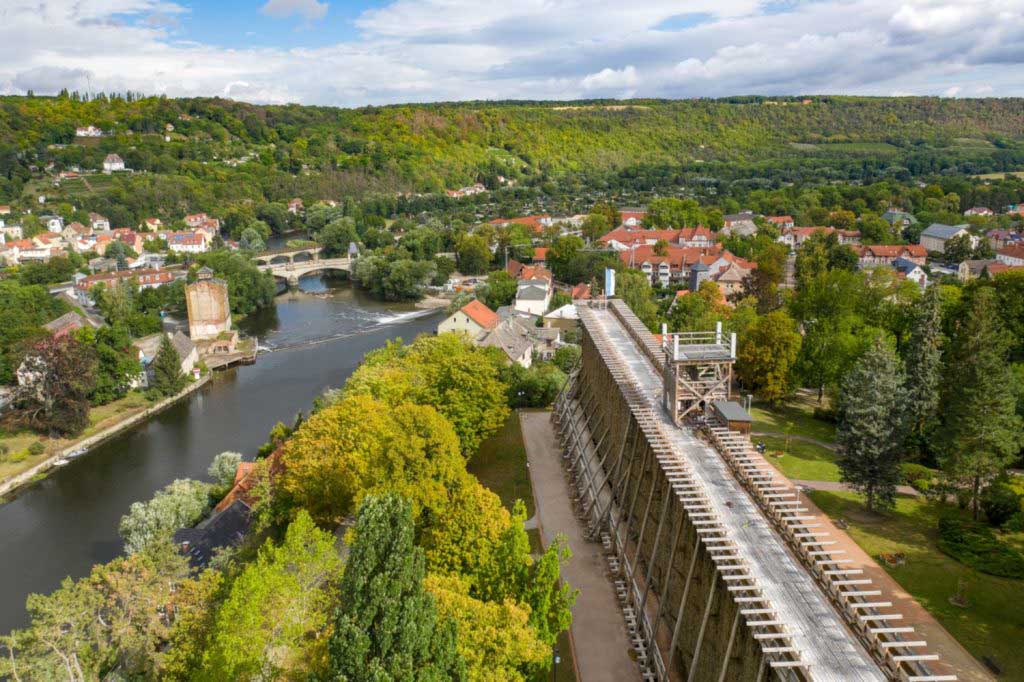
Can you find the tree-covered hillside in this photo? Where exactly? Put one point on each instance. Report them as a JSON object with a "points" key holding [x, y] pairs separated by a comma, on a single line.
{"points": [[222, 151]]}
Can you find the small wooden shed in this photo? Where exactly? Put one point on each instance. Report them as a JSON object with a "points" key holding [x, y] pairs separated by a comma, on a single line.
{"points": [[732, 415]]}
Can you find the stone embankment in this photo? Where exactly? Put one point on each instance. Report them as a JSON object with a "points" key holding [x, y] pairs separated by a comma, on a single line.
{"points": [[27, 476]]}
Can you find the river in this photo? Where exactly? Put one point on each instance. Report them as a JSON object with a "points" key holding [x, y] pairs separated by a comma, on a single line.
{"points": [[67, 522]]}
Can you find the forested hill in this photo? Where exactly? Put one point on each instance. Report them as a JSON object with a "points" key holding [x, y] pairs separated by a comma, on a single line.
{"points": [[436, 146]]}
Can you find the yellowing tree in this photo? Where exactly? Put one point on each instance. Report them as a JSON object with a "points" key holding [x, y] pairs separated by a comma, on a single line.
{"points": [[446, 371], [360, 445], [495, 639]]}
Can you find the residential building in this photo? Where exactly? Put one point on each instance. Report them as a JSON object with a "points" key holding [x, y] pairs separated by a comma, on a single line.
{"points": [[151, 224], [523, 271], [580, 292], [975, 269], [145, 278], [899, 219], [781, 221], [533, 296], [513, 336], [148, 347], [794, 237], [1000, 238], [741, 224], [1011, 255], [5, 209], [295, 206], [53, 223], [209, 313], [224, 528], [88, 131], [12, 231], [540, 255], [623, 239], [936, 235], [187, 242], [75, 231], [566, 317], [979, 210], [911, 271], [632, 218], [113, 163], [885, 254], [98, 222], [473, 319], [533, 223], [65, 324]]}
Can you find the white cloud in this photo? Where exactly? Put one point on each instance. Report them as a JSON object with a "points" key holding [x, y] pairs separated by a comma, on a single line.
{"points": [[310, 10], [539, 49], [952, 91]]}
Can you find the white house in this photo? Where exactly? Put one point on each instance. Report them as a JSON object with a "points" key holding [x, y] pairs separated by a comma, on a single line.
{"points": [[472, 319], [911, 271], [88, 131], [187, 242], [1011, 255], [98, 223], [149, 346], [979, 210], [113, 163], [533, 296], [53, 223]]}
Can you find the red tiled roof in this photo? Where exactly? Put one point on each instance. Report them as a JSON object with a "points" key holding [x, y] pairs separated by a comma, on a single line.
{"points": [[625, 235], [893, 250], [530, 221], [1012, 251], [540, 253], [780, 219], [581, 292], [481, 314]]}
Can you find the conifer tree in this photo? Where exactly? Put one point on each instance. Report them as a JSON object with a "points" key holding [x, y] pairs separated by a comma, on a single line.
{"points": [[869, 427], [167, 376], [924, 368], [387, 627], [981, 432]]}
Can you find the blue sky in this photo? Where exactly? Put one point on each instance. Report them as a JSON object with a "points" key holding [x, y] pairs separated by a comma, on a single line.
{"points": [[353, 53]]}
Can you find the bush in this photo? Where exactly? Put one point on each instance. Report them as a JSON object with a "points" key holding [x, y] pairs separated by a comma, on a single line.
{"points": [[36, 449], [1016, 523], [1000, 503], [915, 472], [921, 485], [18, 457], [975, 545]]}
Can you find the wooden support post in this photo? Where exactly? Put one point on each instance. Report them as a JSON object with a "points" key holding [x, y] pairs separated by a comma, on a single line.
{"points": [[608, 475], [682, 605], [668, 568], [728, 647], [654, 549], [761, 668], [703, 626], [619, 486]]}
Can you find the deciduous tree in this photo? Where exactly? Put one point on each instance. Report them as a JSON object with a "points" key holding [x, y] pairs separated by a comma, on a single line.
{"points": [[767, 355]]}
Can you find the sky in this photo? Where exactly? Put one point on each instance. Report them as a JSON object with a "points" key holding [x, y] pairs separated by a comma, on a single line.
{"points": [[359, 52]]}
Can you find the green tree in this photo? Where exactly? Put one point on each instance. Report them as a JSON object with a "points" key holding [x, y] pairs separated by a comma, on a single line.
{"points": [[924, 368], [474, 255], [594, 226], [386, 626], [633, 287], [870, 425], [767, 354], [500, 290], [337, 235], [180, 504], [981, 432], [513, 573], [117, 363], [270, 624], [24, 310], [222, 470], [958, 249], [167, 376]]}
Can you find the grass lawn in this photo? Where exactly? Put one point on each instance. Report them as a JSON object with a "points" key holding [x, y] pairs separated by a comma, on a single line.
{"points": [[99, 418], [992, 625], [803, 461], [500, 464], [793, 417]]}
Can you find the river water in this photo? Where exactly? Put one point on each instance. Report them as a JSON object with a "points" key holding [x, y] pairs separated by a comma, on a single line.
{"points": [[66, 523]]}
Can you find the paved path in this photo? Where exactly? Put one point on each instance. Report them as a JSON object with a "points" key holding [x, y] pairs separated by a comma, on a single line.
{"points": [[598, 630]]}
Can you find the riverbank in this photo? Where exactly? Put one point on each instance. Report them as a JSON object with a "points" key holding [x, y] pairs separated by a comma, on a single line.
{"points": [[89, 440]]}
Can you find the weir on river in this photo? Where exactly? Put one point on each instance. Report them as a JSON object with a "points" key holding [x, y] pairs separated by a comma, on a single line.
{"points": [[66, 523]]}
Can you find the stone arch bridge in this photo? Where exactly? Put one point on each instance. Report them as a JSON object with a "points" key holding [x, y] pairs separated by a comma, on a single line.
{"points": [[292, 264], [722, 572]]}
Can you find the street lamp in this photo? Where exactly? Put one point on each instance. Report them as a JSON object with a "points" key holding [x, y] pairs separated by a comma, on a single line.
{"points": [[555, 660]]}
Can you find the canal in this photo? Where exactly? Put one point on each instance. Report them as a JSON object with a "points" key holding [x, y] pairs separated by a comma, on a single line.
{"points": [[67, 522]]}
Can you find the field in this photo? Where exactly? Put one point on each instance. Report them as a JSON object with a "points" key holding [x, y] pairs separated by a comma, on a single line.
{"points": [[500, 464], [800, 460], [991, 625], [792, 418], [849, 147], [1000, 176]]}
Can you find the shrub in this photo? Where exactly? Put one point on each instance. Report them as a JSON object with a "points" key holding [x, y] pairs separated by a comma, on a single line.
{"points": [[36, 449], [1000, 503], [1016, 523], [915, 472], [18, 457], [975, 545], [921, 485]]}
